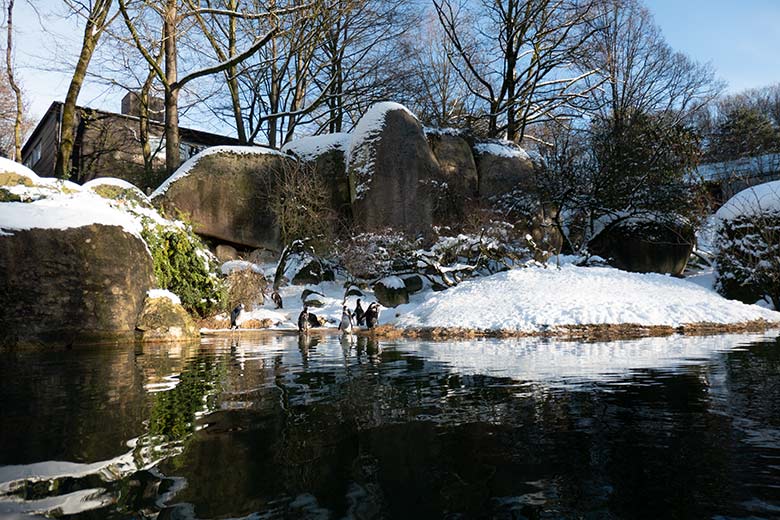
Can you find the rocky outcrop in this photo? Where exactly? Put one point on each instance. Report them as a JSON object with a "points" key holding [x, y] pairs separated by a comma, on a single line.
{"points": [[458, 180], [392, 167], [391, 291], [502, 167], [645, 245], [223, 191], [162, 320], [299, 265], [61, 286], [326, 155]]}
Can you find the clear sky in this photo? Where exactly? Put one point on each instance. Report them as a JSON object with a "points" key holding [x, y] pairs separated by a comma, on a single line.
{"points": [[740, 38]]}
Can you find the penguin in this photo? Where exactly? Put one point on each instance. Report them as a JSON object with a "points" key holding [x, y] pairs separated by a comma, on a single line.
{"points": [[234, 314], [372, 315], [277, 299], [314, 320], [303, 320], [346, 321], [360, 316]]}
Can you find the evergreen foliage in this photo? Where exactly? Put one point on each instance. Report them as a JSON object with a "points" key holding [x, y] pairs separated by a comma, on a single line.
{"points": [[184, 266]]}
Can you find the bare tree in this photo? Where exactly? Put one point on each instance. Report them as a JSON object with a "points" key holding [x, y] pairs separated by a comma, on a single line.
{"points": [[518, 57], [9, 70], [642, 73], [174, 17], [96, 16]]}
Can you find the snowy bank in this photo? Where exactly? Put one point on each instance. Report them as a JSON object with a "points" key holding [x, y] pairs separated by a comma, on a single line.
{"points": [[536, 300]]}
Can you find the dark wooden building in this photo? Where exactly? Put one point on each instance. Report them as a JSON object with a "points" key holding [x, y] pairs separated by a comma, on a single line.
{"points": [[108, 144]]}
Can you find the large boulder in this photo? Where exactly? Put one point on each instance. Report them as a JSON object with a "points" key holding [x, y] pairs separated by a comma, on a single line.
{"points": [[458, 181], [645, 245], [164, 319], [61, 286], [326, 155], [391, 291], [392, 166], [503, 167], [299, 265], [224, 191]]}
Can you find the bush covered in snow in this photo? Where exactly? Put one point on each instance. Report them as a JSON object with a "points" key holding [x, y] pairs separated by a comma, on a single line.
{"points": [[748, 257], [748, 245], [184, 266]]}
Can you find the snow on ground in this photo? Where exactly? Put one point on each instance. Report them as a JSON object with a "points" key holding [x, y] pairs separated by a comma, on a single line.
{"points": [[9, 166], [537, 299], [309, 148], [240, 265], [186, 168], [751, 201]]}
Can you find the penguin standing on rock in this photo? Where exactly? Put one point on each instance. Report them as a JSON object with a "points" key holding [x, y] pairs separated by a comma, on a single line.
{"points": [[360, 316], [234, 314], [372, 315], [346, 321], [303, 320]]}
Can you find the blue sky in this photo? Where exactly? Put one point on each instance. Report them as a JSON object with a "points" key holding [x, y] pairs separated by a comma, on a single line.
{"points": [[740, 38]]}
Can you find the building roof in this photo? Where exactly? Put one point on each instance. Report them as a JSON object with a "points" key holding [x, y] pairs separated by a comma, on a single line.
{"points": [[186, 134]]}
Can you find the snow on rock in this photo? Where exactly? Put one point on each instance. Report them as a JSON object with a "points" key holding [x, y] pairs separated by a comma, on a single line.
{"points": [[393, 282], [537, 299], [81, 209], [309, 148], [502, 149], [110, 181], [9, 166], [163, 293], [761, 198], [185, 169], [369, 127], [240, 265], [457, 132]]}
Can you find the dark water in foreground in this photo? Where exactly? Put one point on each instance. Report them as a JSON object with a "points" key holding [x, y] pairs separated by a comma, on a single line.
{"points": [[282, 428]]}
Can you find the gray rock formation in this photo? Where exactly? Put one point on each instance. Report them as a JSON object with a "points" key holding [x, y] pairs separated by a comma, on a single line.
{"points": [[80, 284], [224, 192], [392, 167], [458, 180], [163, 320], [645, 246], [502, 167]]}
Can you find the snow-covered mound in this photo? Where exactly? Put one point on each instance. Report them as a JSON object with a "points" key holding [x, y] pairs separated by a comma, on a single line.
{"points": [[9, 166], [763, 198], [535, 300], [309, 148]]}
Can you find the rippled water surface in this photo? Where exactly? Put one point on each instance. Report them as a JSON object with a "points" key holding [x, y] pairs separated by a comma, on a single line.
{"points": [[322, 427]]}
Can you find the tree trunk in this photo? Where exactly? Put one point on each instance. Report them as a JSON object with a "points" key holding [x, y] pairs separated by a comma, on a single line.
{"points": [[92, 30], [171, 90], [11, 81]]}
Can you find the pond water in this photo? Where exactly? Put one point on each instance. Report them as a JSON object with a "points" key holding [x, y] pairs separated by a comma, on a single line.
{"points": [[322, 427]]}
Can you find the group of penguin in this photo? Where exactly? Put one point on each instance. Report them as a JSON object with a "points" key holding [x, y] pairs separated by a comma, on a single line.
{"points": [[349, 319]]}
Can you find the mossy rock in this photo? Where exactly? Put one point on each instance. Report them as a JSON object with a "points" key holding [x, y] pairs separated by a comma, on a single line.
{"points": [[163, 320], [109, 191], [308, 292], [14, 179], [354, 291], [7, 196]]}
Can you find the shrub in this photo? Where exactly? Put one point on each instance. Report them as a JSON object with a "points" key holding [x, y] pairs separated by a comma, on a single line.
{"points": [[183, 265]]}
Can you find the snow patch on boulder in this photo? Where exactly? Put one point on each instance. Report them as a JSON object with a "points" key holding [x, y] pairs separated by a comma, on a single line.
{"points": [[309, 148], [163, 293], [763, 198]]}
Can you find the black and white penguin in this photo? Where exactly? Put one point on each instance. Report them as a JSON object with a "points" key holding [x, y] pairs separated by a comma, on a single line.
{"points": [[372, 315], [360, 316], [303, 320], [234, 314], [277, 299], [346, 321]]}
